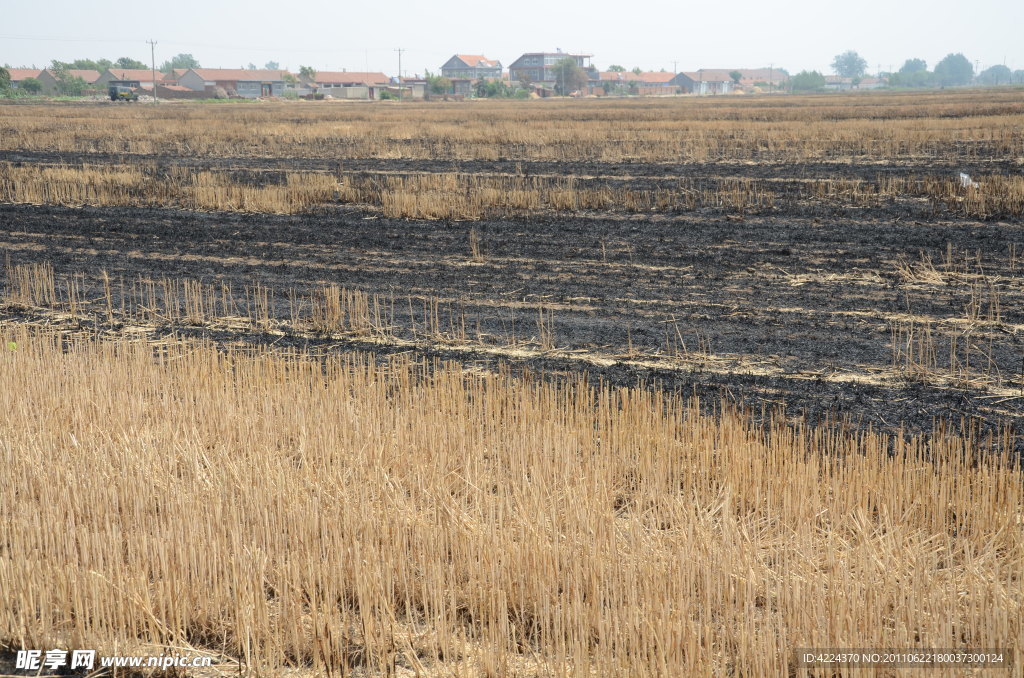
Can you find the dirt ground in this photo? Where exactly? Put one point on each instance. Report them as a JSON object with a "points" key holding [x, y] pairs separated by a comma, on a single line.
{"points": [[812, 314]]}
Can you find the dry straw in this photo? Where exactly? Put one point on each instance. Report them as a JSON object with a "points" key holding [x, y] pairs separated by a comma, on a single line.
{"points": [[937, 126], [342, 515]]}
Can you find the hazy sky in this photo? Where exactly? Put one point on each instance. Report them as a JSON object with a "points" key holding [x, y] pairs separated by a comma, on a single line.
{"points": [[651, 34]]}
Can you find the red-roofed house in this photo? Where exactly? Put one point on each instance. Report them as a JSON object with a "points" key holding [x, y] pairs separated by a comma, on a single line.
{"points": [[51, 85], [628, 82], [348, 84], [243, 82], [836, 82], [129, 77], [472, 66], [19, 74], [774, 77], [175, 74], [720, 80], [347, 79]]}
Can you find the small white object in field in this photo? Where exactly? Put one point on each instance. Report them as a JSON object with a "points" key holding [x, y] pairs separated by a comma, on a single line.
{"points": [[966, 182]]}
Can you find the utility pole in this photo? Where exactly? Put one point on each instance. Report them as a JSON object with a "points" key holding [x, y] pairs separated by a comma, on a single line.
{"points": [[771, 77], [400, 50], [152, 57]]}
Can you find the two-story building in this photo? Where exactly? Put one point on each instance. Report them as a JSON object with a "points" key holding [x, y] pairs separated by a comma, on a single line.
{"points": [[538, 68], [471, 66]]}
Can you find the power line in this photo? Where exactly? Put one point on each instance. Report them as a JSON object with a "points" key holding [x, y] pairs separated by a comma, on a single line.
{"points": [[152, 56], [51, 39], [399, 50], [253, 48]]}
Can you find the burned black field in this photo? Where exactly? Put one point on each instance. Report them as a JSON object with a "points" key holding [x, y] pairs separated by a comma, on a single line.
{"points": [[877, 291]]}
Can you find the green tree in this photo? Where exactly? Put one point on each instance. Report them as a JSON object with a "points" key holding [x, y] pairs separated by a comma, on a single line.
{"points": [[31, 85], [807, 81], [913, 73], [5, 79], [637, 70], [59, 69], [67, 84], [87, 64], [996, 75], [913, 66], [494, 89], [72, 86], [272, 66], [179, 61], [736, 76], [307, 72], [1018, 76], [849, 64], [438, 84], [128, 63], [569, 77], [615, 68], [954, 69]]}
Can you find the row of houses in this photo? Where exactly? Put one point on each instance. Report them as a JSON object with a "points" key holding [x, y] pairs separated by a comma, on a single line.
{"points": [[240, 82], [539, 71], [536, 70]]}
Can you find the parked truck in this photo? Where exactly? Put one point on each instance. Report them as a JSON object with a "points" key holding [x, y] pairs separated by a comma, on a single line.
{"points": [[122, 93]]}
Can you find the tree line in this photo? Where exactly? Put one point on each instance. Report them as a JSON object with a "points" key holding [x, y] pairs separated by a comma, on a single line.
{"points": [[69, 84], [953, 70]]}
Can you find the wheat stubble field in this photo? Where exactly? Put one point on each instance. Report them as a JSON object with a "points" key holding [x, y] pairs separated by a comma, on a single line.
{"points": [[583, 388]]}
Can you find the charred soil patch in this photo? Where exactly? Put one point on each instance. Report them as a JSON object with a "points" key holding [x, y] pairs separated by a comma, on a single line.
{"points": [[884, 322]]}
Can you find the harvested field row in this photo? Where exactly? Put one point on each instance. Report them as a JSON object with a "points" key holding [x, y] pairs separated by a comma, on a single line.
{"points": [[474, 197], [839, 170], [954, 127]]}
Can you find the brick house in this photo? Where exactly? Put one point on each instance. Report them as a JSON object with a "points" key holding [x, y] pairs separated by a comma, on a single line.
{"points": [[243, 82], [628, 82], [129, 77], [840, 83], [348, 84], [52, 86], [720, 81], [704, 81], [775, 78], [172, 77]]}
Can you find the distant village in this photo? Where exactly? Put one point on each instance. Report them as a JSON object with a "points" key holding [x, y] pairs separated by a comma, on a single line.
{"points": [[463, 76]]}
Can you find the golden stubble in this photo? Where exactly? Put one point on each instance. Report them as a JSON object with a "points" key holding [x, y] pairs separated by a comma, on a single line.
{"points": [[351, 513]]}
